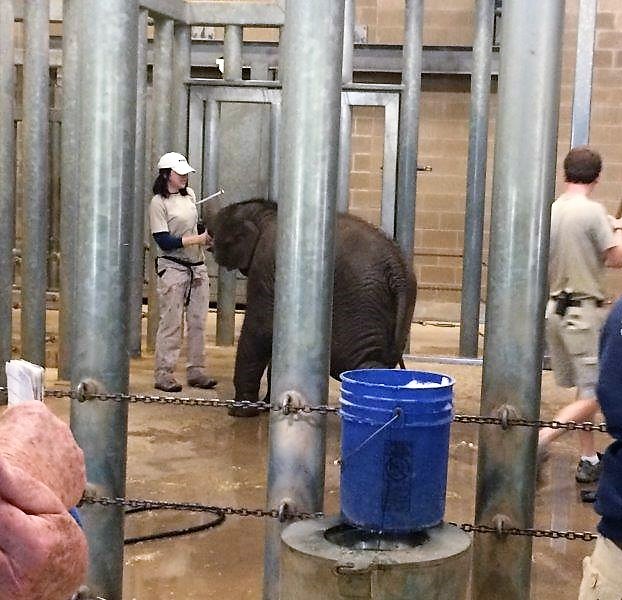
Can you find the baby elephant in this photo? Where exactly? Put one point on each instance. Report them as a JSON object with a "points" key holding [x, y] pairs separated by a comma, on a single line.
{"points": [[373, 298]]}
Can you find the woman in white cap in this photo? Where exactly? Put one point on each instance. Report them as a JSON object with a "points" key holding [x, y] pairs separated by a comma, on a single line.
{"points": [[183, 283]]}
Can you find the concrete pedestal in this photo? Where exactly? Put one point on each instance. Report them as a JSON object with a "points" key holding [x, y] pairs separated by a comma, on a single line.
{"points": [[314, 568]]}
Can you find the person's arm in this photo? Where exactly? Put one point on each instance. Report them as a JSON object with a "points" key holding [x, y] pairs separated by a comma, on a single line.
{"points": [[167, 241], [613, 255]]}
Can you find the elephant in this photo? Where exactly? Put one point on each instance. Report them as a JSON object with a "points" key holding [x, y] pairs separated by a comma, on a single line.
{"points": [[373, 297]]}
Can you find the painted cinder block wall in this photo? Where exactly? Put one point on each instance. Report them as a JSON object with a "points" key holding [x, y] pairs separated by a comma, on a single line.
{"points": [[443, 141]]}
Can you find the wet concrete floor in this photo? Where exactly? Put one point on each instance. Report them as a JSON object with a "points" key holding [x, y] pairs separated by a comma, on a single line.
{"points": [[203, 455]]}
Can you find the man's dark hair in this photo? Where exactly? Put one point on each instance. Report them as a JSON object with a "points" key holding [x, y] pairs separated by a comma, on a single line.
{"points": [[582, 165], [160, 186]]}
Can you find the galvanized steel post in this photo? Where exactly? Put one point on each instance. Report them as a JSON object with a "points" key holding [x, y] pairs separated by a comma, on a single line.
{"points": [[181, 73], [103, 232], [523, 186], [163, 87], [409, 129], [582, 92], [35, 102], [70, 152], [137, 253], [476, 178], [225, 318], [345, 121], [7, 176], [311, 77]]}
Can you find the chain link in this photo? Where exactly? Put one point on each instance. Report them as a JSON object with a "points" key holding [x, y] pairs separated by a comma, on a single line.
{"points": [[322, 409], [274, 513]]}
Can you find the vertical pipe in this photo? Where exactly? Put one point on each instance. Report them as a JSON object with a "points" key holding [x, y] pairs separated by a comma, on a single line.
{"points": [[582, 93], [476, 178], [54, 212], [35, 104], [70, 153], [345, 121], [275, 127], [137, 253], [163, 86], [305, 258], [7, 176], [409, 129], [225, 318], [523, 185], [181, 74], [103, 232]]}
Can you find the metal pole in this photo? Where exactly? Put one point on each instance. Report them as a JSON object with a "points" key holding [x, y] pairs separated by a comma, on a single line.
{"points": [[409, 129], [476, 178], [137, 254], [163, 86], [7, 176], [582, 94], [275, 128], [54, 206], [305, 257], [225, 318], [523, 185], [70, 153], [103, 232], [35, 102], [181, 73], [345, 121]]}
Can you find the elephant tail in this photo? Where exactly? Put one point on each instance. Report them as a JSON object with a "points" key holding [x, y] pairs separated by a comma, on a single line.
{"points": [[404, 288]]}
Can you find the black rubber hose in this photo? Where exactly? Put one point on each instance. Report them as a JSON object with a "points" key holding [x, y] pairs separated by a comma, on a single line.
{"points": [[219, 520]]}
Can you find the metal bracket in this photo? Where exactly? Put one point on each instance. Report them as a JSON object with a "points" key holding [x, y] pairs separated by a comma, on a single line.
{"points": [[506, 412], [88, 387], [292, 402], [501, 523]]}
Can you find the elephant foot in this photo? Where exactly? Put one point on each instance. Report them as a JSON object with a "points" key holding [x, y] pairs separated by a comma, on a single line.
{"points": [[243, 411]]}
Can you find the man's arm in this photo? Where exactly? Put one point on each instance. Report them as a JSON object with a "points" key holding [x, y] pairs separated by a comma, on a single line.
{"points": [[613, 255], [610, 377]]}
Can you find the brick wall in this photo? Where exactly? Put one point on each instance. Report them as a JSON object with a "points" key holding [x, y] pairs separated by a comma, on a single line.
{"points": [[443, 141]]}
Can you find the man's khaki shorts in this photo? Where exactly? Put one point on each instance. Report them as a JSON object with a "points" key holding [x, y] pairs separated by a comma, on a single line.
{"points": [[602, 572], [573, 343]]}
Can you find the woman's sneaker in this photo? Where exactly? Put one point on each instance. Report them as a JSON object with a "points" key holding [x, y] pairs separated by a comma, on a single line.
{"points": [[167, 383]]}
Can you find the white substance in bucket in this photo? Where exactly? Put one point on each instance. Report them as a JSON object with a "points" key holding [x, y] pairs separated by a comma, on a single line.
{"points": [[415, 383]]}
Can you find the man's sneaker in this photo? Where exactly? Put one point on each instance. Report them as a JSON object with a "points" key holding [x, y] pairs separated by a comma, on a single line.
{"points": [[167, 383], [587, 472]]}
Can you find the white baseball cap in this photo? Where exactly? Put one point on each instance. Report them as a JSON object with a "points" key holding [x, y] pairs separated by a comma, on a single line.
{"points": [[175, 161]]}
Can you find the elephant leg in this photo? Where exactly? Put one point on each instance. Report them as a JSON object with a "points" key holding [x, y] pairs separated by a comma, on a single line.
{"points": [[252, 357]]}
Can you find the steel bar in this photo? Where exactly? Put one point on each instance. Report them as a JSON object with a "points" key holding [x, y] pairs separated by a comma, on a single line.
{"points": [[225, 318], [345, 120], [35, 101], [582, 92], [137, 252], [254, 14], [181, 72], [7, 176], [53, 250], [69, 174], [476, 178], [275, 127], [108, 45], [163, 84], [311, 77], [409, 129], [523, 185]]}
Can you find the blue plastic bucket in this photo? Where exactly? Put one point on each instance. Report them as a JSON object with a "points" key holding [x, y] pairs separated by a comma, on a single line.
{"points": [[394, 448]]}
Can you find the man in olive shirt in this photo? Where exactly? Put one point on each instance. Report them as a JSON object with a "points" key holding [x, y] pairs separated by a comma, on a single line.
{"points": [[584, 240]]}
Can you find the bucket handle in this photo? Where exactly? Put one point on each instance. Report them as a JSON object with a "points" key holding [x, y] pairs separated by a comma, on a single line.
{"points": [[397, 413]]}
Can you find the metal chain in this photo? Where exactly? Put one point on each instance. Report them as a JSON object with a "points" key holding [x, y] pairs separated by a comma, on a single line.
{"points": [[274, 513], [321, 409], [585, 536]]}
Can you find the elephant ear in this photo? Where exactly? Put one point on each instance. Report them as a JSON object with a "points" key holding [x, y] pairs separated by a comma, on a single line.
{"points": [[246, 238]]}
